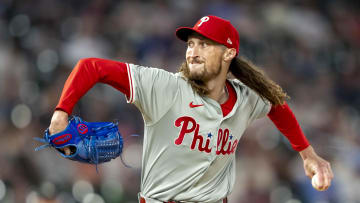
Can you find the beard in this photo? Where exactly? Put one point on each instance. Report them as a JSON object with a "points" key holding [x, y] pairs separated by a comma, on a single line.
{"points": [[198, 80]]}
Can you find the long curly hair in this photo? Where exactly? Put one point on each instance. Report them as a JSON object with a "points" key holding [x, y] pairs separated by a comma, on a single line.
{"points": [[248, 74], [253, 77]]}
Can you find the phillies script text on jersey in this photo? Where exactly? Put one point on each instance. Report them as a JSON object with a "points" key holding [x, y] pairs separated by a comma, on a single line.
{"points": [[188, 125]]}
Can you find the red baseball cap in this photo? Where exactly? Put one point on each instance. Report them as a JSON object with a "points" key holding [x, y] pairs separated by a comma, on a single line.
{"points": [[214, 28]]}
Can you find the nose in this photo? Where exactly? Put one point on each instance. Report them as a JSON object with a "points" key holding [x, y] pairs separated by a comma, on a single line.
{"points": [[192, 51]]}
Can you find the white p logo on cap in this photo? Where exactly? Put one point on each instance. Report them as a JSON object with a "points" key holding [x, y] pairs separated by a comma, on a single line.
{"points": [[229, 41], [203, 20]]}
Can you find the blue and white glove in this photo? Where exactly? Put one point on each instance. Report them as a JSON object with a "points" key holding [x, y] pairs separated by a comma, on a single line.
{"points": [[89, 142]]}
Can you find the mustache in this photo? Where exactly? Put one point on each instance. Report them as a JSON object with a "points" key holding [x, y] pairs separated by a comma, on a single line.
{"points": [[195, 60]]}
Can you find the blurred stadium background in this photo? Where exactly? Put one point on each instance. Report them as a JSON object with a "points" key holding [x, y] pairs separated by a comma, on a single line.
{"points": [[311, 48]]}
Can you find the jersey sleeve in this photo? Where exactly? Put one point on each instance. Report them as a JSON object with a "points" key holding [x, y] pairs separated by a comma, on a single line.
{"points": [[152, 91], [260, 107]]}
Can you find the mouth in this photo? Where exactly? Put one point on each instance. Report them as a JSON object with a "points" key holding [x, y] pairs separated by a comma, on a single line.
{"points": [[195, 62]]}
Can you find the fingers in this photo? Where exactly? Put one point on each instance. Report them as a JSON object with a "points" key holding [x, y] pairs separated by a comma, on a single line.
{"points": [[320, 173], [309, 166], [309, 173], [67, 151], [328, 176], [319, 182], [323, 176]]}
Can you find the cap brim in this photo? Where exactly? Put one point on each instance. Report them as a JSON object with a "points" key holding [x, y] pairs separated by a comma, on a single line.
{"points": [[183, 33]]}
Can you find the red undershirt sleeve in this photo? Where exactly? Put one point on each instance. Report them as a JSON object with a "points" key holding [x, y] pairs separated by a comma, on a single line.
{"points": [[86, 74], [284, 119]]}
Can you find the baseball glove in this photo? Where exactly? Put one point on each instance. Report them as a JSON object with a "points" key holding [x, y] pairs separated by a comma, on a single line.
{"points": [[89, 142]]}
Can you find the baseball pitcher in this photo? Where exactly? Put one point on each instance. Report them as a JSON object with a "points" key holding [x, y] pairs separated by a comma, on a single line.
{"points": [[194, 118]]}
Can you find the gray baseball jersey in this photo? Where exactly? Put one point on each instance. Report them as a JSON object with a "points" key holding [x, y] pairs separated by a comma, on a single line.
{"points": [[189, 146]]}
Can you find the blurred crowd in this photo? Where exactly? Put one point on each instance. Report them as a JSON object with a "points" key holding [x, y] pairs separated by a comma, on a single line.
{"points": [[310, 47]]}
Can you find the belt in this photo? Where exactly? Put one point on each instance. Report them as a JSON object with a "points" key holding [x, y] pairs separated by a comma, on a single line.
{"points": [[142, 200]]}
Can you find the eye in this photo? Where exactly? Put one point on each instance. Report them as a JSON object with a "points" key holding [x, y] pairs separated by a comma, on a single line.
{"points": [[190, 44], [204, 44]]}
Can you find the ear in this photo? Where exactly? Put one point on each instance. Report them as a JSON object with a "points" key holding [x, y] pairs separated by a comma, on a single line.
{"points": [[229, 54]]}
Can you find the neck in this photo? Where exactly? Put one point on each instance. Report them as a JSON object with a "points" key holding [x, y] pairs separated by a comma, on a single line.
{"points": [[217, 88], [218, 92]]}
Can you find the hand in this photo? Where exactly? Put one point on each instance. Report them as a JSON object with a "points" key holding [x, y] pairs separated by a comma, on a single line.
{"points": [[59, 122], [316, 168]]}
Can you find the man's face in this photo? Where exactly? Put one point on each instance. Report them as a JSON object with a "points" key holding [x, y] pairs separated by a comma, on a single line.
{"points": [[203, 58]]}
